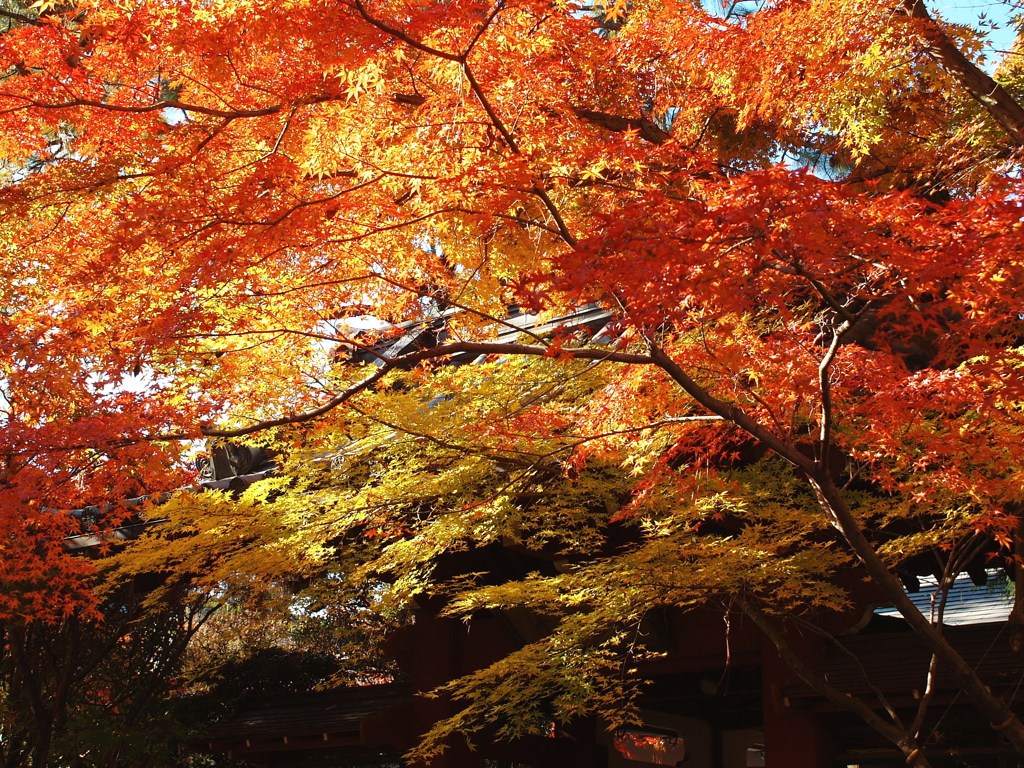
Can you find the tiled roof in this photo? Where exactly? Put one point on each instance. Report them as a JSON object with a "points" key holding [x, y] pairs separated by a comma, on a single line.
{"points": [[420, 334], [91, 517]]}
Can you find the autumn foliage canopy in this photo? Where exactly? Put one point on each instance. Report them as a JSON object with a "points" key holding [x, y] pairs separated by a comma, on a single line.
{"points": [[804, 217]]}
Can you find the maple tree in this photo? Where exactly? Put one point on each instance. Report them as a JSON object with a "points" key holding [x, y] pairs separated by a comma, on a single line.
{"points": [[130, 679], [79, 691], [805, 217]]}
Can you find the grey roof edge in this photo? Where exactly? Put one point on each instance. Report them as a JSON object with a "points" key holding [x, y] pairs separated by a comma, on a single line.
{"points": [[136, 528]]}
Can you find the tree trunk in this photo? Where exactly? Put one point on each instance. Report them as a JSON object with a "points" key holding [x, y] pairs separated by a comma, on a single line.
{"points": [[894, 732], [986, 91], [1015, 624], [839, 516], [997, 711]]}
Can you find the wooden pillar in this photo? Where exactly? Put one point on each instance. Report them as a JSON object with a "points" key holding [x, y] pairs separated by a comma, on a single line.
{"points": [[432, 651], [794, 737]]}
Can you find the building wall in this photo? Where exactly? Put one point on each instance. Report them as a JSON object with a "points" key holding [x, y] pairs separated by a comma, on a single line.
{"points": [[735, 744]]}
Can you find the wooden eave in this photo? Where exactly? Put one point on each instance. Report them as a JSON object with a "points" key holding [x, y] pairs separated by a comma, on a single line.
{"points": [[310, 722], [897, 663]]}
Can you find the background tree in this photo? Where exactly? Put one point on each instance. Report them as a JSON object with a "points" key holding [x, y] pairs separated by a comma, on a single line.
{"points": [[91, 690], [199, 199]]}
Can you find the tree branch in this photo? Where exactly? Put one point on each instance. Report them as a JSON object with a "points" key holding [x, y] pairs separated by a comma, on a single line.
{"points": [[825, 387], [157, 106], [400, 35], [842, 518], [882, 699], [898, 736], [21, 18], [227, 114], [990, 94], [444, 350], [483, 28], [839, 515], [647, 129], [729, 412]]}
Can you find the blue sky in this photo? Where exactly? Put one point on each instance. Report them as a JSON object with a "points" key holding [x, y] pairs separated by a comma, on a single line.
{"points": [[971, 12]]}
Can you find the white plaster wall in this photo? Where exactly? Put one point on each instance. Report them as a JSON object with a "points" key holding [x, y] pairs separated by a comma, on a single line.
{"points": [[735, 743]]}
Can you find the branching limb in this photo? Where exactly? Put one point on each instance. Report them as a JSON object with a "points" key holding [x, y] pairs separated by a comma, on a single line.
{"points": [[647, 129], [842, 518], [839, 515], [21, 18], [825, 388], [882, 698], [727, 411], [897, 735], [398, 34], [232, 114], [926, 697], [403, 361], [497, 456], [793, 267], [498, 7], [990, 94]]}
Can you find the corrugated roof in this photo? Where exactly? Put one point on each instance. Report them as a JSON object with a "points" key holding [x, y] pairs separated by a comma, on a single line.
{"points": [[967, 603]]}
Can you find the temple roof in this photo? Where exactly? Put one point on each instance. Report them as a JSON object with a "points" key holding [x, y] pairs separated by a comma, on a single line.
{"points": [[967, 603]]}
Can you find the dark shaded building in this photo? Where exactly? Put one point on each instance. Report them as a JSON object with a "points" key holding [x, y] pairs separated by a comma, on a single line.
{"points": [[719, 697]]}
